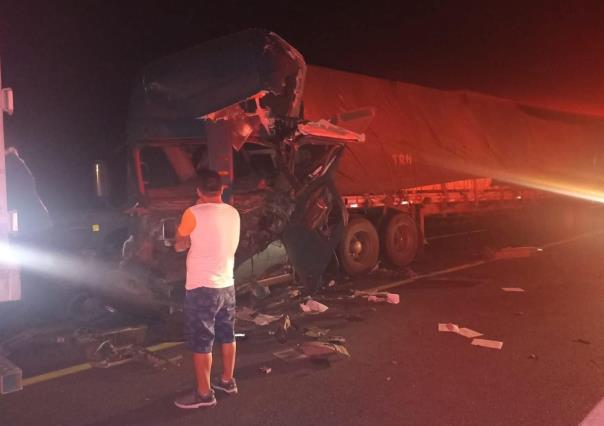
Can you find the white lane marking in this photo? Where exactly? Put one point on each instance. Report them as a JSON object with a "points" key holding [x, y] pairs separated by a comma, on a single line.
{"points": [[456, 234], [473, 264], [570, 240], [430, 274]]}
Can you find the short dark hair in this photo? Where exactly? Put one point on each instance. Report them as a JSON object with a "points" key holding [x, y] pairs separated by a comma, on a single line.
{"points": [[209, 182]]}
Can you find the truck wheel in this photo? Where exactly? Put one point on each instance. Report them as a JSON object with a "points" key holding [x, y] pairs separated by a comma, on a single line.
{"points": [[360, 247], [400, 239]]}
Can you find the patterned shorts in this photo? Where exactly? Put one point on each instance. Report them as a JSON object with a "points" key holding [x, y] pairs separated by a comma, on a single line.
{"points": [[209, 314]]}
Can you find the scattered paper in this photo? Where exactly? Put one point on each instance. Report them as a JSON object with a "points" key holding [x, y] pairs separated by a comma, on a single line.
{"points": [[513, 289], [469, 333], [492, 344], [462, 331], [453, 328], [313, 306]]}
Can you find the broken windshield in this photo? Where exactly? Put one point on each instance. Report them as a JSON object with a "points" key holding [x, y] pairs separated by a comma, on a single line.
{"points": [[166, 168]]}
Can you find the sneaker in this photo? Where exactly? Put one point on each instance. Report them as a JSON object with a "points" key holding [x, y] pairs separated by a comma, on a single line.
{"points": [[192, 399], [229, 387]]}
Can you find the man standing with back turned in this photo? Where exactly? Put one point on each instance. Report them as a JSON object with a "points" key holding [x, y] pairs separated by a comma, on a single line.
{"points": [[213, 229]]}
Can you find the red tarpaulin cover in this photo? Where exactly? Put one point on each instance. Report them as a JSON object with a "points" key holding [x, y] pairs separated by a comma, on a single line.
{"points": [[420, 136]]}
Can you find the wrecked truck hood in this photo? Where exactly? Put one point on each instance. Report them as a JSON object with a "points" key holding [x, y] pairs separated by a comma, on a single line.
{"points": [[171, 94]]}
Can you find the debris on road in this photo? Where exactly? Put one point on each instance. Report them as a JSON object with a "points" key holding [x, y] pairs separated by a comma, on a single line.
{"points": [[316, 332], [250, 315], [469, 333], [585, 342], [313, 306], [282, 330], [532, 356], [339, 340], [323, 350], [485, 343], [513, 289], [294, 292], [462, 331], [392, 298], [449, 327], [266, 370]]}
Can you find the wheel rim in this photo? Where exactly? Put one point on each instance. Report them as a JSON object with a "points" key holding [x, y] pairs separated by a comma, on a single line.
{"points": [[400, 239], [357, 246]]}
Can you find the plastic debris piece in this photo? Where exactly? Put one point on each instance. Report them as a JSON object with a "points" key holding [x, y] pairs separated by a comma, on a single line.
{"points": [[449, 327], [388, 379], [294, 292], [513, 289], [332, 283], [266, 370], [485, 343], [532, 356], [290, 354], [313, 306], [469, 333]]}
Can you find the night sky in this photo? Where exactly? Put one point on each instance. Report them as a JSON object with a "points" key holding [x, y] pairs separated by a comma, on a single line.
{"points": [[72, 64]]}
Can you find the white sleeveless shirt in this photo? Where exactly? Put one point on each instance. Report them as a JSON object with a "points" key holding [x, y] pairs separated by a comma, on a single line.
{"points": [[214, 240]]}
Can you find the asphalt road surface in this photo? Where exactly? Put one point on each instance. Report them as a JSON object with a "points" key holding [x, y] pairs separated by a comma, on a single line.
{"points": [[401, 371]]}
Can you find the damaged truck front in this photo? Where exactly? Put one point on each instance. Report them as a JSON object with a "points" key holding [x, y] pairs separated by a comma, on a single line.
{"points": [[232, 105]]}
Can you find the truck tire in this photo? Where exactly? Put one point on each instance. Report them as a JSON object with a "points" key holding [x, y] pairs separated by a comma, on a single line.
{"points": [[360, 247], [400, 239]]}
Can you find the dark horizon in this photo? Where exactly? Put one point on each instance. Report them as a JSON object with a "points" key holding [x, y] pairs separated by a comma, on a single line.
{"points": [[72, 66]]}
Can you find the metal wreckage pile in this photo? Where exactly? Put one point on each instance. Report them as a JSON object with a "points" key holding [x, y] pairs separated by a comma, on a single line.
{"points": [[233, 105]]}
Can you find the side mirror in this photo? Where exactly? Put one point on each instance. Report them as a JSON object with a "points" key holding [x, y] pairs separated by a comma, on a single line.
{"points": [[101, 180]]}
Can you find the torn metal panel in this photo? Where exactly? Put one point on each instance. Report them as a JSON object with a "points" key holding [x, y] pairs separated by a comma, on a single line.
{"points": [[172, 93]]}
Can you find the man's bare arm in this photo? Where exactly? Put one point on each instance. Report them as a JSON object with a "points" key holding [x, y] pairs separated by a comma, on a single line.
{"points": [[187, 224]]}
